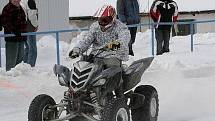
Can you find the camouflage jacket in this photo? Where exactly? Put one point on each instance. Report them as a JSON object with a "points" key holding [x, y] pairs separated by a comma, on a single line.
{"points": [[97, 39]]}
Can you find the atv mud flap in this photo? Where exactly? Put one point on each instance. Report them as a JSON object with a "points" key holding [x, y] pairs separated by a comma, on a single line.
{"points": [[132, 75]]}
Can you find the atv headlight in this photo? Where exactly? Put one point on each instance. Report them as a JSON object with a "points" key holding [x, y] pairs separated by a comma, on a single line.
{"points": [[100, 82]]}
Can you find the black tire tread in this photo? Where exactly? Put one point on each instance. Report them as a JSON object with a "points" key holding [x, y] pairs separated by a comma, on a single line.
{"points": [[142, 113], [111, 108], [34, 112]]}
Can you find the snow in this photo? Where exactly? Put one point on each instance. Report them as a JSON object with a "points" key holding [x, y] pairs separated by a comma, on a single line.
{"points": [[77, 8], [184, 80]]}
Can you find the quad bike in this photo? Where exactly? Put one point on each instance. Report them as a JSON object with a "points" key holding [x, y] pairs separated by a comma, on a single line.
{"points": [[99, 89]]}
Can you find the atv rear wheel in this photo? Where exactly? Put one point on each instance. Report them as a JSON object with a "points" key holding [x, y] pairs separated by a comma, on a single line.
{"points": [[149, 110], [40, 109], [116, 110]]}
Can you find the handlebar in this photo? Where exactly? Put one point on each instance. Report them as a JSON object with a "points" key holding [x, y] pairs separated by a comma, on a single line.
{"points": [[100, 50]]}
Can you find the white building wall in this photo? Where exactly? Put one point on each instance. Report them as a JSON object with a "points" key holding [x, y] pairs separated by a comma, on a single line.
{"points": [[54, 15], [203, 27], [200, 28]]}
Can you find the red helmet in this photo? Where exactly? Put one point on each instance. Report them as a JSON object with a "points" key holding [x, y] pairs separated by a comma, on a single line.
{"points": [[106, 15]]}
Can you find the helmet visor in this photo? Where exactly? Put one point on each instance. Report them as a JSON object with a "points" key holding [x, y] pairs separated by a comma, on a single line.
{"points": [[104, 21]]}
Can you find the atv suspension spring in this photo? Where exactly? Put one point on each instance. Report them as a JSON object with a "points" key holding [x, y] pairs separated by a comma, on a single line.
{"points": [[94, 98], [95, 102]]}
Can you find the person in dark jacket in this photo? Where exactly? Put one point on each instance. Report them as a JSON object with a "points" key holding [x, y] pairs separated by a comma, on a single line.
{"points": [[128, 13], [14, 22], [163, 11]]}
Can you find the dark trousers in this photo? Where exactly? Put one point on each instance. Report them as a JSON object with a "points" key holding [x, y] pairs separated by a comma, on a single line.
{"points": [[162, 38], [30, 55], [133, 31], [14, 53]]}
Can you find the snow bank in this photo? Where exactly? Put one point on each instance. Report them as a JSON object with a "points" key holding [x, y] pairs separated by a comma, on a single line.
{"points": [[184, 79]]}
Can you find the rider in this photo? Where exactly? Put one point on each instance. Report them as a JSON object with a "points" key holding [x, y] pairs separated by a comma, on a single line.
{"points": [[106, 32]]}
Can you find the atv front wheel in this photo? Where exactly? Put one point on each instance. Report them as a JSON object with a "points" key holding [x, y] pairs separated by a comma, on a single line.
{"points": [[149, 110], [116, 110], [40, 109]]}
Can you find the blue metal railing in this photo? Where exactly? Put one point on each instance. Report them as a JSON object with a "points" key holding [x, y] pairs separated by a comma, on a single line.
{"points": [[191, 23], [153, 40], [47, 32], [57, 32]]}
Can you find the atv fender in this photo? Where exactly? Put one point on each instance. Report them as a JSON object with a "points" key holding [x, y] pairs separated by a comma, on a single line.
{"points": [[132, 75], [136, 99], [113, 77], [108, 73]]}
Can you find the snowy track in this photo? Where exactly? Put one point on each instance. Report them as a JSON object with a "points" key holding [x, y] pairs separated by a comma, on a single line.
{"points": [[185, 81]]}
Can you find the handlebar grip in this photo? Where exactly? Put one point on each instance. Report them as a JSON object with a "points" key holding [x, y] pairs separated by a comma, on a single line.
{"points": [[73, 54]]}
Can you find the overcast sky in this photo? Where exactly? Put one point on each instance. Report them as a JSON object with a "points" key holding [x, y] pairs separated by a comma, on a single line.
{"points": [[88, 7]]}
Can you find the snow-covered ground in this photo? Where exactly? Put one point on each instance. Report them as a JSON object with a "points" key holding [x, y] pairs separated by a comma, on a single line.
{"points": [[185, 80]]}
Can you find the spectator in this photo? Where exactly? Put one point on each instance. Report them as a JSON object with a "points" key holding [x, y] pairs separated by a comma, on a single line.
{"points": [[163, 11], [31, 12], [128, 13], [14, 22]]}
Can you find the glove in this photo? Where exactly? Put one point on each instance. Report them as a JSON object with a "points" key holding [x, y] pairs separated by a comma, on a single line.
{"points": [[113, 45], [74, 53], [32, 4]]}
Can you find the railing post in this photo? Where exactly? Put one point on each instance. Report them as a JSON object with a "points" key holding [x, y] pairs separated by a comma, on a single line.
{"points": [[58, 48], [191, 34], [152, 29]]}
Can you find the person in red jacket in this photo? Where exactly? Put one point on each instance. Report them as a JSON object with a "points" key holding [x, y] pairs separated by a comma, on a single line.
{"points": [[14, 22], [163, 11]]}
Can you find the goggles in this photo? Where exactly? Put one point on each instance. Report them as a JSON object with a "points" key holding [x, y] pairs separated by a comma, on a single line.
{"points": [[104, 21]]}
